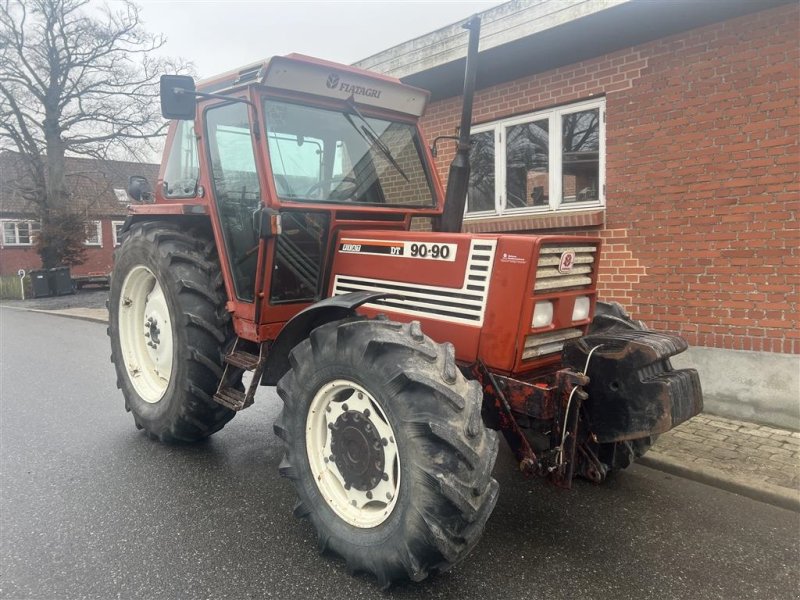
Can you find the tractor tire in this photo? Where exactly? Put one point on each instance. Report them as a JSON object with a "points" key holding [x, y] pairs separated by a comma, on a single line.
{"points": [[386, 448], [168, 327], [619, 455]]}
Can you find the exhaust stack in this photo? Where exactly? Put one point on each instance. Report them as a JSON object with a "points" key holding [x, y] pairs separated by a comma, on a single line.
{"points": [[458, 179]]}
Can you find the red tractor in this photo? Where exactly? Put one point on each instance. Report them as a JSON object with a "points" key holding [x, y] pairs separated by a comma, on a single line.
{"points": [[279, 241]]}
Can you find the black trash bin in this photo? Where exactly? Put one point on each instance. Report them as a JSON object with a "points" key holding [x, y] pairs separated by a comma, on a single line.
{"points": [[61, 281], [40, 283]]}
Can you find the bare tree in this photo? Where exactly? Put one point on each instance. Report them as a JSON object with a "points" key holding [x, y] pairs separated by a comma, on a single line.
{"points": [[75, 80]]}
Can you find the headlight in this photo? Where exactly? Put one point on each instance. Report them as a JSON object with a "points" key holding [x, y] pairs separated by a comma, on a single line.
{"points": [[581, 309], [542, 314]]}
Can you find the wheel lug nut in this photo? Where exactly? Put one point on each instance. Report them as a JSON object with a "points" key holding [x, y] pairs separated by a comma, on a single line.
{"points": [[353, 502], [360, 396], [369, 495], [344, 407], [366, 412], [385, 476], [347, 486], [388, 495], [384, 441], [332, 458]]}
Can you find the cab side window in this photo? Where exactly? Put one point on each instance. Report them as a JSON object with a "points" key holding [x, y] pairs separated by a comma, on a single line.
{"points": [[181, 172]]}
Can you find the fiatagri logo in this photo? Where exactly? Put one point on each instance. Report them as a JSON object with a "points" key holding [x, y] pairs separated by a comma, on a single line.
{"points": [[334, 82]]}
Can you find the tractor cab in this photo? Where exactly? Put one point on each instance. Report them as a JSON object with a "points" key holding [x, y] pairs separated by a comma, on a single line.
{"points": [[298, 147]]}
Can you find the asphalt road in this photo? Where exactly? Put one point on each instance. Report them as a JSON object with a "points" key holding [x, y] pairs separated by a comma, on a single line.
{"points": [[91, 508]]}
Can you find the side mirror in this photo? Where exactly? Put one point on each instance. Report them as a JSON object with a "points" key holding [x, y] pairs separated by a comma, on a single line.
{"points": [[177, 97], [139, 189]]}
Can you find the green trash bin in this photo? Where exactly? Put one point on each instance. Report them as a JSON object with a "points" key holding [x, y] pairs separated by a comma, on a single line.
{"points": [[61, 281], [40, 283]]}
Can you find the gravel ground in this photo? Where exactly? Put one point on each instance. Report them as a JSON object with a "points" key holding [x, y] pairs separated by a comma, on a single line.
{"points": [[85, 298]]}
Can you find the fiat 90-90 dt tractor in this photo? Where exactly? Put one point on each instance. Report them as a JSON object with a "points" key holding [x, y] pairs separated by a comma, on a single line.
{"points": [[278, 241]]}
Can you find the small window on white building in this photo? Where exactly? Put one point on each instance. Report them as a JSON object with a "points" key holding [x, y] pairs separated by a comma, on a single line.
{"points": [[122, 196], [545, 161], [116, 231], [19, 233], [94, 233]]}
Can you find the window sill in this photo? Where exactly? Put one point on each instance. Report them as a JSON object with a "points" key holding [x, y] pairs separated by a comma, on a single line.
{"points": [[522, 222]]}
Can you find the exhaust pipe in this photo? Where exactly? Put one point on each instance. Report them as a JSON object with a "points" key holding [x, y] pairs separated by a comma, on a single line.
{"points": [[458, 179]]}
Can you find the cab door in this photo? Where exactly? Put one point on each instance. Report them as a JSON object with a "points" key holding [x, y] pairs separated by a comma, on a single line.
{"points": [[237, 189]]}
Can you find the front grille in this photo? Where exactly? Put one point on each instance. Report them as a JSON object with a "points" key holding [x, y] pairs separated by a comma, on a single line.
{"points": [[466, 304], [542, 344], [549, 278]]}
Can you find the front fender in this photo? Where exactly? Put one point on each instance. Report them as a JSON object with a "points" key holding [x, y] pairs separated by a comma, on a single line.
{"points": [[303, 323]]}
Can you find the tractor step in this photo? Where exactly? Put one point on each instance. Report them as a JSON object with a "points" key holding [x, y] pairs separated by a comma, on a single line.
{"points": [[241, 359], [231, 398]]}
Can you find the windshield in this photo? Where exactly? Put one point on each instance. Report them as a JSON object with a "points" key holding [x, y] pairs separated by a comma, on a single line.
{"points": [[322, 155]]}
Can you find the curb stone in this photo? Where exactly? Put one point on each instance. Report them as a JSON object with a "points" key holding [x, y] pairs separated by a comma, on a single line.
{"points": [[763, 492]]}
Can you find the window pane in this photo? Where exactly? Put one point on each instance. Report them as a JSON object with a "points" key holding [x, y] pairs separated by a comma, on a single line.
{"points": [[297, 162], [237, 189], [9, 233], [93, 233], [480, 195], [322, 155], [180, 176], [527, 164], [580, 138], [24, 233]]}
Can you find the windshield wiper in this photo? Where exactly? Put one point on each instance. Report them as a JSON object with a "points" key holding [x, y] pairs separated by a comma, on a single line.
{"points": [[369, 134]]}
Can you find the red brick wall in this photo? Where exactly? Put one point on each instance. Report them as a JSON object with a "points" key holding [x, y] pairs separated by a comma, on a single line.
{"points": [[701, 223], [98, 260]]}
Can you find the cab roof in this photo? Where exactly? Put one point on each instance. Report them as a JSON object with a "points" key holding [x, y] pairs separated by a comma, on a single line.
{"points": [[300, 73]]}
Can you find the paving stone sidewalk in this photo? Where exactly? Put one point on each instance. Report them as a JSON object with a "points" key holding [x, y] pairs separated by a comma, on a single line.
{"points": [[755, 455]]}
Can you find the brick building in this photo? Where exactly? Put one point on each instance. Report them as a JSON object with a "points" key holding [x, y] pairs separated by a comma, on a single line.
{"points": [[98, 190], [668, 129]]}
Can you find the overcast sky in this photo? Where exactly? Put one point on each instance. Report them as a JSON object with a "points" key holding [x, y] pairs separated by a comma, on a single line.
{"points": [[222, 35]]}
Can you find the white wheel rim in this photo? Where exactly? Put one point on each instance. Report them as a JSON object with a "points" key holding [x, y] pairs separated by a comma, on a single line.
{"points": [[145, 334], [361, 508]]}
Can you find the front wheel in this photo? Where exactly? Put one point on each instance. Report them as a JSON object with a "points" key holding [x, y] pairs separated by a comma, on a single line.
{"points": [[386, 448], [168, 327]]}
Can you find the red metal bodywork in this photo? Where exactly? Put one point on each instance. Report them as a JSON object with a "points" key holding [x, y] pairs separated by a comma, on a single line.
{"points": [[497, 340]]}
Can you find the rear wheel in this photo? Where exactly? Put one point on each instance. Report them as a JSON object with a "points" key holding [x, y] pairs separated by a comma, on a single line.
{"points": [[386, 448], [168, 327]]}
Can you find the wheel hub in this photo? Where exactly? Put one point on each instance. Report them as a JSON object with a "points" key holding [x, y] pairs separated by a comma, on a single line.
{"points": [[357, 450], [152, 331], [145, 333], [353, 453]]}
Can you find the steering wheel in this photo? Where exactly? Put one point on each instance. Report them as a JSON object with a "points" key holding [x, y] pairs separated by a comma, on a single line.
{"points": [[348, 193]]}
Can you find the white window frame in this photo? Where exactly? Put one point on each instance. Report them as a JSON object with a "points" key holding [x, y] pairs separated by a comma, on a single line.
{"points": [[121, 195], [553, 116], [114, 235], [33, 228], [99, 228]]}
